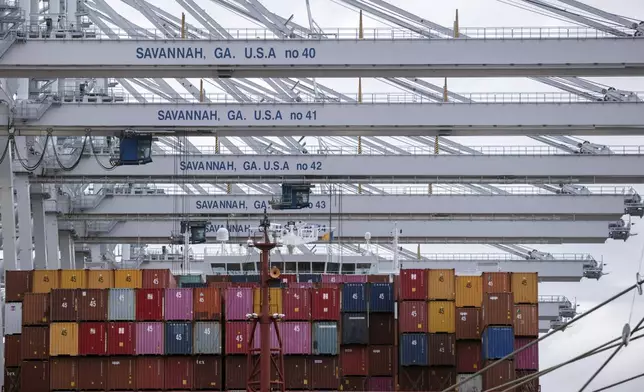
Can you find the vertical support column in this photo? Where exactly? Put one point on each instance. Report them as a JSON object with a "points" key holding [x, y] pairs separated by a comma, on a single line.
{"points": [[95, 253], [79, 259], [25, 243], [7, 209], [66, 245], [51, 242], [38, 215], [126, 252]]}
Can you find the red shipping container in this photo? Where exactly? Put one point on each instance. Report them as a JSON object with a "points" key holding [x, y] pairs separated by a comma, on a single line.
{"points": [[442, 349], [296, 304], [350, 278], [34, 343], [325, 304], [63, 305], [498, 374], [236, 335], [208, 372], [412, 317], [301, 285], [527, 359], [381, 361], [35, 309], [468, 323], [92, 304], [150, 373], [63, 373], [92, 373], [288, 278], [526, 320], [354, 360], [158, 279], [207, 303], [17, 284], [332, 278], [179, 373], [12, 352], [468, 356], [380, 384], [354, 383], [497, 282], [121, 373], [121, 339], [378, 279], [236, 372], [92, 339], [413, 285], [149, 304], [497, 309], [324, 373], [298, 372], [382, 329], [34, 376]]}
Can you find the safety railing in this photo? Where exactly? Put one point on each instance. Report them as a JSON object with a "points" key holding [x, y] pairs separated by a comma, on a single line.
{"points": [[472, 98], [101, 226], [554, 299], [263, 34], [500, 257]]}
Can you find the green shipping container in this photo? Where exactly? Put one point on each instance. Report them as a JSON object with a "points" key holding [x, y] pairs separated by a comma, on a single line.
{"points": [[181, 279]]}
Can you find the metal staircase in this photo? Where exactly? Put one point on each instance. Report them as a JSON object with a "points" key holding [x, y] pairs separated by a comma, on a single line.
{"points": [[33, 109]]}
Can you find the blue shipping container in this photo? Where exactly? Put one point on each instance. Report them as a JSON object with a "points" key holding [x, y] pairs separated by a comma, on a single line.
{"points": [[497, 342], [355, 328], [381, 298], [309, 278], [244, 278], [354, 297], [325, 338], [413, 349], [178, 338]]}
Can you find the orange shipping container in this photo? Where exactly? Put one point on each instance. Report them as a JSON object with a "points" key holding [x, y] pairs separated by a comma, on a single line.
{"points": [[441, 316], [440, 283], [100, 279], [275, 300], [469, 291], [63, 339], [207, 303], [128, 279], [45, 280], [526, 320], [496, 282], [73, 279], [525, 286]]}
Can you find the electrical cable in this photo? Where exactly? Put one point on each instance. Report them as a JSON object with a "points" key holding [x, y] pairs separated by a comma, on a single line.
{"points": [[619, 383], [560, 328], [42, 155], [75, 164], [91, 143]]}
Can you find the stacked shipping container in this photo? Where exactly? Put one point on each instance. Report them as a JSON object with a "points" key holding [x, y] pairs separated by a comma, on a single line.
{"points": [[136, 330]]}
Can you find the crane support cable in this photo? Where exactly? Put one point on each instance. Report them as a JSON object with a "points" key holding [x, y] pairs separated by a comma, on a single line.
{"points": [[619, 383], [560, 328]]}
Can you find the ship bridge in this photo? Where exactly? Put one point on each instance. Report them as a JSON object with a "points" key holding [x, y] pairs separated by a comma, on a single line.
{"points": [[386, 114], [259, 53]]}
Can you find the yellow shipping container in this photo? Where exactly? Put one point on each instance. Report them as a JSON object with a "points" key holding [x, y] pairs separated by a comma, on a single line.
{"points": [[73, 279], [100, 279], [525, 286], [441, 316], [128, 279], [63, 339], [440, 283], [45, 280], [274, 303], [469, 291]]}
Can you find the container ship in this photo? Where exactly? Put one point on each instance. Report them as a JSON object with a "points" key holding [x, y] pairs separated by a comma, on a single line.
{"points": [[149, 330]]}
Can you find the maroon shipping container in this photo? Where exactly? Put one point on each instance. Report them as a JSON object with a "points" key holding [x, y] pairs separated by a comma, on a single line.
{"points": [[526, 320], [296, 304], [217, 278], [301, 285], [325, 304], [121, 338], [121, 373], [498, 374], [179, 373], [92, 373], [530, 386], [497, 282], [468, 356], [150, 373], [381, 361], [378, 279], [288, 278], [297, 369], [35, 309], [149, 304], [354, 360], [35, 343], [34, 376], [332, 278], [63, 373], [442, 349], [12, 379], [350, 278], [413, 285], [380, 384], [497, 309], [527, 359], [324, 373], [237, 334], [207, 303], [208, 372], [381, 328], [468, 323], [92, 338], [158, 279], [413, 378], [17, 284], [353, 383], [92, 305], [441, 378], [63, 305], [12, 351], [412, 317], [236, 372]]}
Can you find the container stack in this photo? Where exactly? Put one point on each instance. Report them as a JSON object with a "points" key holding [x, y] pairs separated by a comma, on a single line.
{"points": [[469, 297], [526, 326], [381, 353]]}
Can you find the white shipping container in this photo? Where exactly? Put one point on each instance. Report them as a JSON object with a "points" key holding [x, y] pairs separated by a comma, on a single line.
{"points": [[474, 385], [207, 337], [13, 318], [121, 305]]}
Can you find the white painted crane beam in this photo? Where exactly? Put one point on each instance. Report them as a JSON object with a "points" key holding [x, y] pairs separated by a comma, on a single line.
{"points": [[408, 207], [434, 231], [580, 168], [387, 115], [254, 53]]}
